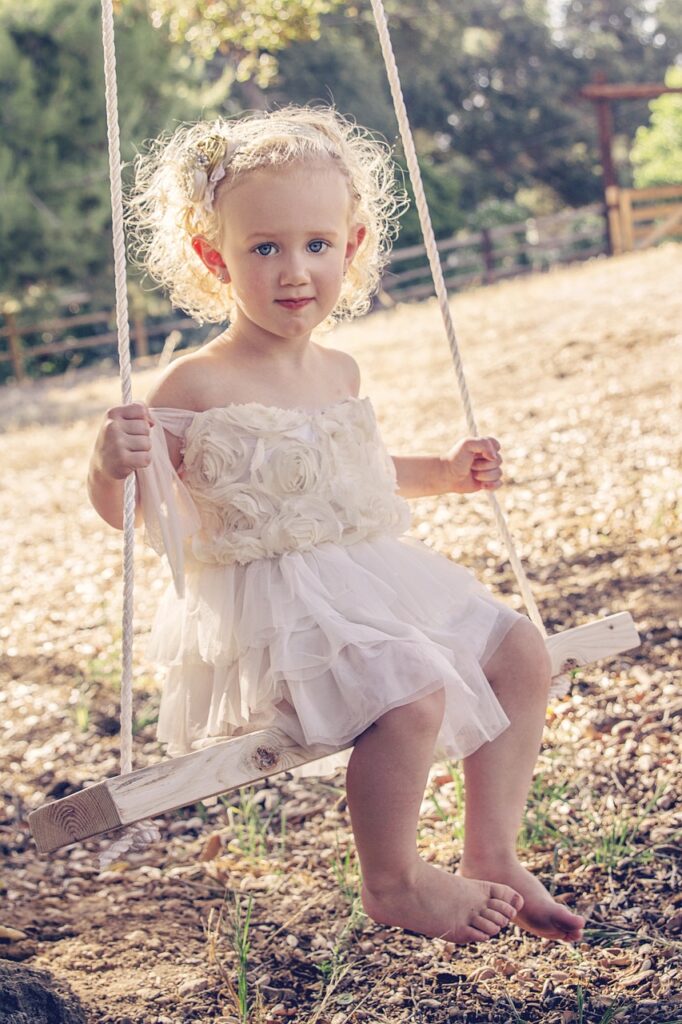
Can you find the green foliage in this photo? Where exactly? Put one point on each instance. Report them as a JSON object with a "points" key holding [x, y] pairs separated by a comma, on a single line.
{"points": [[54, 190], [252, 32], [250, 831], [492, 91], [657, 151]]}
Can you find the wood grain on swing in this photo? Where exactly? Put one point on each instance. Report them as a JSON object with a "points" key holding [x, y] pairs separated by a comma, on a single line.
{"points": [[168, 785], [246, 759]]}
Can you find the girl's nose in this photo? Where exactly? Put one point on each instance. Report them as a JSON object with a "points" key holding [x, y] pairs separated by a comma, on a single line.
{"points": [[294, 271]]}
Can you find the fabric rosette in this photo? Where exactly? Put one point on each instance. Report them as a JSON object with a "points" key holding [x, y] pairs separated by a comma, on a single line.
{"points": [[301, 523], [215, 458], [234, 530], [378, 515], [350, 432], [290, 468]]}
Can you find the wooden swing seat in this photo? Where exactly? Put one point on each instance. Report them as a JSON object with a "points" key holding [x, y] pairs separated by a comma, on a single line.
{"points": [[243, 760]]}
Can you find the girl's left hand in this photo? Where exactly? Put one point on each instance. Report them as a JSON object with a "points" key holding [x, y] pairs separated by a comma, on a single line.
{"points": [[473, 465]]}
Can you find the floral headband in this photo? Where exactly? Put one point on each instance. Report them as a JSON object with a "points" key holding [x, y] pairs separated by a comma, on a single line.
{"points": [[208, 160], [205, 168]]}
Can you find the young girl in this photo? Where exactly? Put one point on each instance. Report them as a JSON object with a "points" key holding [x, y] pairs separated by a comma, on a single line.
{"points": [[300, 603]]}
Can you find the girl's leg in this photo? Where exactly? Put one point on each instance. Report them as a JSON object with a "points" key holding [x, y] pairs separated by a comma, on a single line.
{"points": [[386, 778], [497, 779]]}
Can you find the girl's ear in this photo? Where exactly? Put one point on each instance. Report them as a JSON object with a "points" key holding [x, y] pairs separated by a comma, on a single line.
{"points": [[355, 239], [211, 258]]}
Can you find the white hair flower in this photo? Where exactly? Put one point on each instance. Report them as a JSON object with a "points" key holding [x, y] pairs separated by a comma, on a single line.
{"points": [[206, 168]]}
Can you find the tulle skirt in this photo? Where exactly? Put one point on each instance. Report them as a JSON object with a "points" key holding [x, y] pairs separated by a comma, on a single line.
{"points": [[323, 642]]}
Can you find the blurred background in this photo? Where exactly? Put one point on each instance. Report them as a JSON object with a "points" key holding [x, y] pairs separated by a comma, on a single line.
{"points": [[515, 157]]}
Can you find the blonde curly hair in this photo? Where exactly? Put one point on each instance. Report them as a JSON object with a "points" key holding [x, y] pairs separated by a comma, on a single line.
{"points": [[173, 199]]}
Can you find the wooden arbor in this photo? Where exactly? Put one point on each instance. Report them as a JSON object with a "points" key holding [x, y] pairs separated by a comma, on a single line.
{"points": [[603, 94]]}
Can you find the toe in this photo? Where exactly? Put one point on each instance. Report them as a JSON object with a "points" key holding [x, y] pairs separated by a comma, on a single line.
{"points": [[574, 920], [471, 934], [501, 920], [484, 924], [506, 894], [565, 921], [569, 934], [502, 908]]}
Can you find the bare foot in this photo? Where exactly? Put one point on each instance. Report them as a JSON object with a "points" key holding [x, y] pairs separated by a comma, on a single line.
{"points": [[440, 904], [540, 914]]}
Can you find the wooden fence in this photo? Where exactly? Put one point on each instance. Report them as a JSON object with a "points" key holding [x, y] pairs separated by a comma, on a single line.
{"points": [[482, 257], [26, 341], [468, 259], [640, 217]]}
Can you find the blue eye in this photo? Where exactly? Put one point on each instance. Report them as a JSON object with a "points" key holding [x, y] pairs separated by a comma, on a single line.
{"points": [[318, 245], [270, 247]]}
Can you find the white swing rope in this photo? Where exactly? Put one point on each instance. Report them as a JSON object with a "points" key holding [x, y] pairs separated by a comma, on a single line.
{"points": [[136, 836], [139, 835], [442, 295]]}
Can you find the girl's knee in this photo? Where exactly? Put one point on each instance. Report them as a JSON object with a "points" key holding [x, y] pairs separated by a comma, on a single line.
{"points": [[533, 653], [425, 713], [523, 652]]}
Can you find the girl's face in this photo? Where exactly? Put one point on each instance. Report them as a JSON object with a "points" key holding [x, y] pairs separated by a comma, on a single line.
{"points": [[286, 242]]}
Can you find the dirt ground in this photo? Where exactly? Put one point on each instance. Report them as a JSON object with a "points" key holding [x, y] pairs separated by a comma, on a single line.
{"points": [[578, 373]]}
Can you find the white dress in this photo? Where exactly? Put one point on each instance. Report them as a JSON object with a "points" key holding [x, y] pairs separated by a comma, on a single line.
{"points": [[296, 599]]}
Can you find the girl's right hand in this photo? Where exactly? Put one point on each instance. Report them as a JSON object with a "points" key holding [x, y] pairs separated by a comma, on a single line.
{"points": [[124, 443]]}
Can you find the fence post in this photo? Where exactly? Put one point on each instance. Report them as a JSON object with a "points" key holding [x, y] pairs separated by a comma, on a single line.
{"points": [[140, 335], [488, 255], [614, 231], [625, 200], [15, 347]]}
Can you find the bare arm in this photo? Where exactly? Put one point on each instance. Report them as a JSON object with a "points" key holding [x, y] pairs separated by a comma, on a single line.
{"points": [[419, 475], [471, 465]]}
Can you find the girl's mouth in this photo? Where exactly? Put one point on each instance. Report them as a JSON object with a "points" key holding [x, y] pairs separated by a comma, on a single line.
{"points": [[293, 303]]}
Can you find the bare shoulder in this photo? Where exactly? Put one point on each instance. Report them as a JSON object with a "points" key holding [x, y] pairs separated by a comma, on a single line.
{"points": [[342, 364], [183, 384]]}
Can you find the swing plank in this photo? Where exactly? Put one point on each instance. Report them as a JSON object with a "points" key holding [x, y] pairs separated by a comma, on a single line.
{"points": [[586, 644], [168, 785], [246, 759]]}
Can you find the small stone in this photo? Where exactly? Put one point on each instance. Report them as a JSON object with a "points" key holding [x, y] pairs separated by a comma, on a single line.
{"points": [[212, 848], [147, 994], [675, 922], [621, 727], [483, 974], [637, 979], [192, 985], [185, 825], [292, 941]]}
